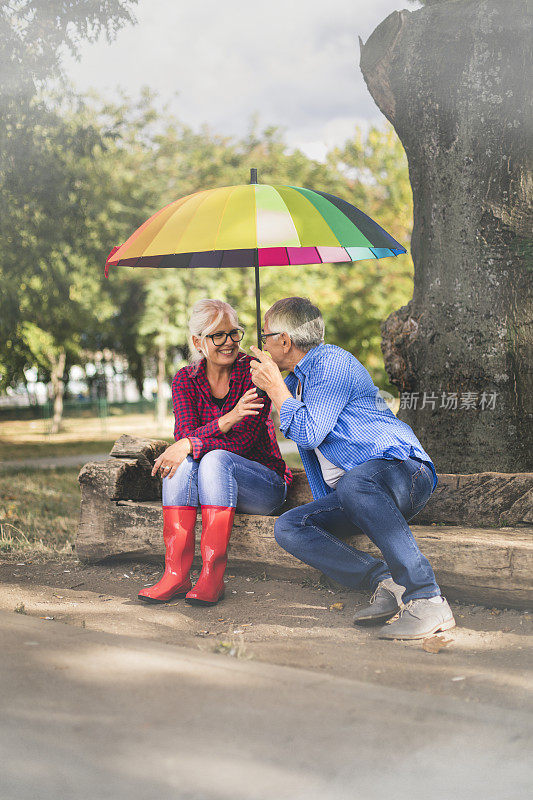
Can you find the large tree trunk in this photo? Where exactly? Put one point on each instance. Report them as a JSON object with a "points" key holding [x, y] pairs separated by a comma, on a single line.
{"points": [[454, 80]]}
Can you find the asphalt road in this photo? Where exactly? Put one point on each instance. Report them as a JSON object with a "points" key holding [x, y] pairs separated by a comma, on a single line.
{"points": [[92, 715]]}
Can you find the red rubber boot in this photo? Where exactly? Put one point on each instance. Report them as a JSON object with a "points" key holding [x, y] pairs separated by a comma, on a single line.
{"points": [[217, 522], [178, 534]]}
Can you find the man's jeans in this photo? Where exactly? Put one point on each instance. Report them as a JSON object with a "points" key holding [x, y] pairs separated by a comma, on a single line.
{"points": [[221, 478], [375, 498]]}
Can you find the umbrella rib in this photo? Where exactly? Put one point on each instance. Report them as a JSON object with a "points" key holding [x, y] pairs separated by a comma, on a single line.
{"points": [[289, 215], [324, 220], [193, 216], [221, 218], [151, 220]]}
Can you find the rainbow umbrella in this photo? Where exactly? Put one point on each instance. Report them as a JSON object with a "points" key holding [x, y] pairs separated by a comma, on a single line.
{"points": [[255, 225]]}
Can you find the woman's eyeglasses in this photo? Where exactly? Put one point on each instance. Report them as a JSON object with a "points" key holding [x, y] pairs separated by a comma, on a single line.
{"points": [[221, 337]]}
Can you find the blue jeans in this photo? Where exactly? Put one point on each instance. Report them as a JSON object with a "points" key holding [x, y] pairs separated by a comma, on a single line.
{"points": [[375, 498], [221, 478]]}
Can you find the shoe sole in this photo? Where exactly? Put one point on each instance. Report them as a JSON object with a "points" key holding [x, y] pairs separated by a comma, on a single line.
{"points": [[379, 618], [195, 601], [442, 626], [155, 601]]}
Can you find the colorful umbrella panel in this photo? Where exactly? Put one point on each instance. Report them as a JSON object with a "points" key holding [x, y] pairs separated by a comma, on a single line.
{"points": [[254, 225]]}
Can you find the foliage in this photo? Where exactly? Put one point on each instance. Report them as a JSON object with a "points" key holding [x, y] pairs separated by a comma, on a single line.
{"points": [[369, 172], [367, 292], [98, 170], [45, 153], [50, 191], [35, 33], [432, 2]]}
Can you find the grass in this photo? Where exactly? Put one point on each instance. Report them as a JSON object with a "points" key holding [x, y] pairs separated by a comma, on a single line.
{"points": [[26, 439], [39, 510], [11, 450]]}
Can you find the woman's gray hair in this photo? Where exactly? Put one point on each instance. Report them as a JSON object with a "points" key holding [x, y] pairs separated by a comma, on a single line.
{"points": [[204, 318], [298, 317]]}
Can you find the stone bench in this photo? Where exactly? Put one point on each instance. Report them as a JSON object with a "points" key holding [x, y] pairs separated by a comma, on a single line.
{"points": [[476, 530]]}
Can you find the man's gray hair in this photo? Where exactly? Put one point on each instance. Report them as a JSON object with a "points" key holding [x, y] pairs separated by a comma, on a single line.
{"points": [[298, 317]]}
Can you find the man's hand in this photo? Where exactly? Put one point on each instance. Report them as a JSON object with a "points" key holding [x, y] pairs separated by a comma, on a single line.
{"points": [[266, 375], [265, 372], [170, 459]]}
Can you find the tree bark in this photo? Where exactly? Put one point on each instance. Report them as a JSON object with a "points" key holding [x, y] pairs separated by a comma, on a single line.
{"points": [[58, 389], [454, 79]]}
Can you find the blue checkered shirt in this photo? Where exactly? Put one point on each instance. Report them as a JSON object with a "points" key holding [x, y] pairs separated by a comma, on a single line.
{"points": [[342, 414]]}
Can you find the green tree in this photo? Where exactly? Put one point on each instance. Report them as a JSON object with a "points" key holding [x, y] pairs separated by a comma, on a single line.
{"points": [[363, 294], [369, 171], [52, 247], [110, 167], [40, 218], [60, 217], [34, 35]]}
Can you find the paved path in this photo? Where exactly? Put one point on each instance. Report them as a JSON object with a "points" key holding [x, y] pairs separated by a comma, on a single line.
{"points": [[89, 715]]}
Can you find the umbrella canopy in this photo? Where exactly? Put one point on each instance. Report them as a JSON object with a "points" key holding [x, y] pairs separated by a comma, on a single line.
{"points": [[255, 225]]}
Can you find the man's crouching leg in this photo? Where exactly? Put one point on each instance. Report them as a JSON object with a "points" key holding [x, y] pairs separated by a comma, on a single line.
{"points": [[314, 534]]}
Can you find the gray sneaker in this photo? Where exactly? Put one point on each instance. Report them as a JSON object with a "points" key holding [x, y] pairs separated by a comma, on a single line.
{"points": [[417, 619], [384, 603]]}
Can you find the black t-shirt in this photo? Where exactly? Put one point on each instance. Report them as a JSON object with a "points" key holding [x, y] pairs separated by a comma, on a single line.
{"points": [[219, 400]]}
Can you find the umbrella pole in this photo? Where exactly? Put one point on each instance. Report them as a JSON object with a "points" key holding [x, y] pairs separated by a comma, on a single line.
{"points": [[253, 179], [258, 307], [260, 392]]}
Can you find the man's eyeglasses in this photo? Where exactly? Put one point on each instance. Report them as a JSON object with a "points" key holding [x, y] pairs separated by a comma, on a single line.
{"points": [[264, 336], [221, 337]]}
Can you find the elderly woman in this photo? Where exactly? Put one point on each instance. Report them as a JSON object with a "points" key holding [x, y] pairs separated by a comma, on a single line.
{"points": [[225, 457]]}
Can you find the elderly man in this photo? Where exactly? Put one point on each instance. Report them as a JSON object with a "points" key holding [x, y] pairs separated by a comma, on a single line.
{"points": [[367, 471]]}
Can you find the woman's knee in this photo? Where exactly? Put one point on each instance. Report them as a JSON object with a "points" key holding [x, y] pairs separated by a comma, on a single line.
{"points": [[214, 462], [187, 468], [178, 489]]}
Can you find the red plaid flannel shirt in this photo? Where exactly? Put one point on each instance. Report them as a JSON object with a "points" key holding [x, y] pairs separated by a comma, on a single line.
{"points": [[197, 415]]}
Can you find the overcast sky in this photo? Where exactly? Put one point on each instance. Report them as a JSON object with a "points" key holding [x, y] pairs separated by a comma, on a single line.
{"points": [[295, 62]]}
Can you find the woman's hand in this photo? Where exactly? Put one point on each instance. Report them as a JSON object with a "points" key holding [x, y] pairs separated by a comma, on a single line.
{"points": [[169, 461], [248, 405]]}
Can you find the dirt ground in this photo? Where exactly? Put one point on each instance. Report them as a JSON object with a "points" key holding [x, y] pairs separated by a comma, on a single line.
{"points": [[486, 658]]}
